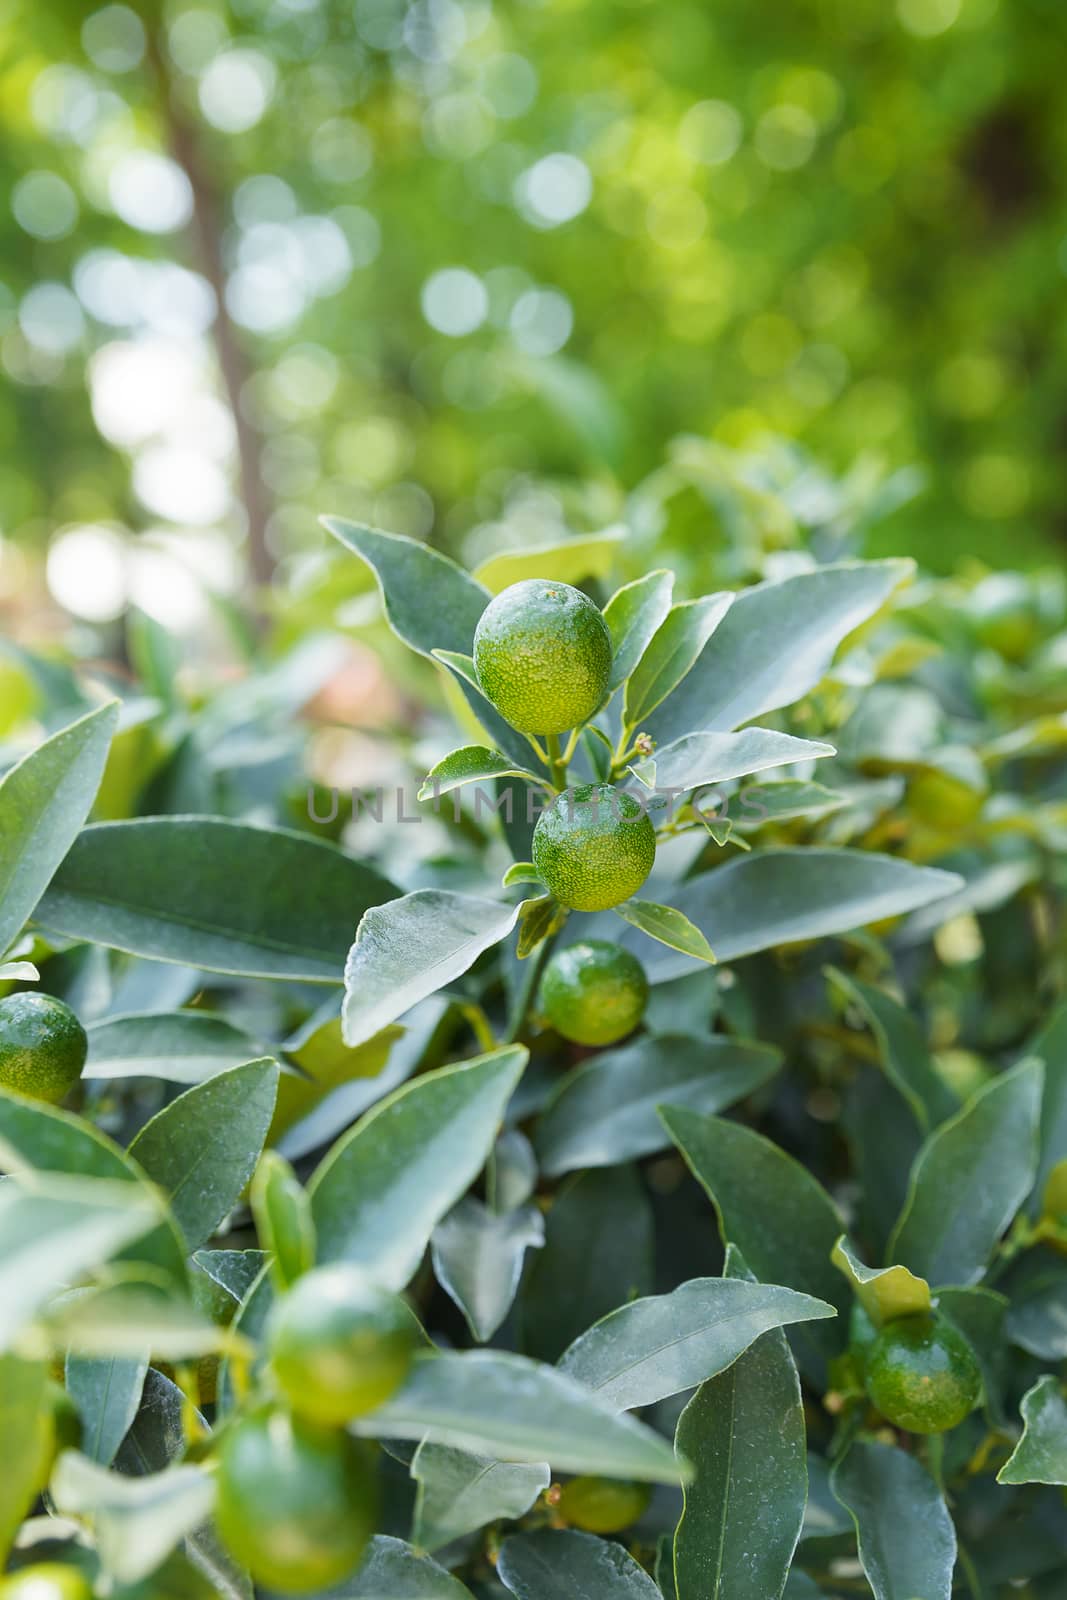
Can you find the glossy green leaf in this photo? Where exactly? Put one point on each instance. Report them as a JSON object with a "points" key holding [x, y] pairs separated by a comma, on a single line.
{"points": [[1037, 1320], [26, 1433], [538, 920], [505, 1406], [478, 1256], [464, 668], [970, 1178], [284, 1225], [44, 800], [824, 1516], [902, 1049], [178, 1046], [53, 1230], [260, 902], [633, 615], [776, 642], [670, 654], [459, 1492], [130, 1319], [430, 602], [378, 1195], [781, 1219], [136, 1522], [551, 1564], [588, 555], [744, 1433], [19, 972], [657, 1347], [605, 1110], [667, 926], [884, 1137], [327, 1063], [1041, 1454], [783, 800], [392, 1570], [775, 897], [203, 1147], [471, 764], [412, 947], [699, 759], [885, 1293], [107, 1392], [886, 1490], [51, 1140]]}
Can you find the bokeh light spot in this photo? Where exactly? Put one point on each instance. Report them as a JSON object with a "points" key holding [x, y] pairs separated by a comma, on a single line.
{"points": [[554, 190], [45, 205], [455, 301]]}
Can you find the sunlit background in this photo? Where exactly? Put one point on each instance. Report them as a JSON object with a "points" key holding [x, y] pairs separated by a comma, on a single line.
{"points": [[470, 271]]}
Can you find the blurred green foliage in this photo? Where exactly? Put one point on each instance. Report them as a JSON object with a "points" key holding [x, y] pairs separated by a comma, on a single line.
{"points": [[467, 271]]}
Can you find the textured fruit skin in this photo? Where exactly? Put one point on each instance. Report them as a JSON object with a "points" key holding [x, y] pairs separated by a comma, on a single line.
{"points": [[48, 1580], [543, 655], [602, 1505], [340, 1345], [922, 1375], [43, 1046], [594, 992], [593, 847], [296, 1503]]}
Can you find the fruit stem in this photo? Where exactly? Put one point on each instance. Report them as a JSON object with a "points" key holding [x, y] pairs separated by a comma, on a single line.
{"points": [[572, 745], [557, 763], [542, 755]]}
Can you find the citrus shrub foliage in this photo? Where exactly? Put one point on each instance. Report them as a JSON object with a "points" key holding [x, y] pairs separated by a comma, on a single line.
{"points": [[371, 1253]]}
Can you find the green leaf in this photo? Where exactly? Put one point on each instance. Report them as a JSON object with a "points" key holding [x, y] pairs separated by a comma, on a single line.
{"points": [[589, 1265], [970, 1178], [980, 1314], [776, 897], [670, 653], [327, 1063], [257, 902], [668, 926], [459, 1493], [589, 555], [202, 1148], [520, 872], [125, 1319], [1037, 1320], [478, 1256], [538, 920], [657, 1347], [26, 1432], [53, 1231], [178, 1046], [824, 1516], [550, 1564], [744, 1433], [136, 1522], [776, 642], [514, 1409], [783, 800], [1041, 1454], [605, 1111], [700, 759], [107, 1392], [887, 1491], [430, 602], [382, 1189], [782, 1220], [50, 1140], [412, 947], [633, 615], [471, 764], [284, 1224], [19, 972], [433, 605], [44, 800], [392, 1570], [885, 1293], [902, 1049]]}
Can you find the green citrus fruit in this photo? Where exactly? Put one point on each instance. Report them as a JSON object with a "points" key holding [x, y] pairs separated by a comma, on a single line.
{"points": [[594, 992], [593, 847], [861, 1333], [48, 1580], [922, 1375], [603, 1505], [340, 1345], [296, 1503], [543, 655], [43, 1046]]}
